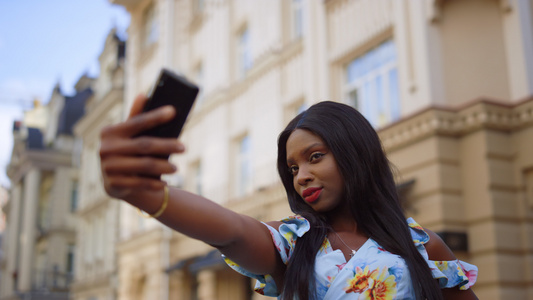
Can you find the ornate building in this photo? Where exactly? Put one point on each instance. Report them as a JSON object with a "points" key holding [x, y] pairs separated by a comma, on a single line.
{"points": [[97, 215], [448, 85], [38, 260]]}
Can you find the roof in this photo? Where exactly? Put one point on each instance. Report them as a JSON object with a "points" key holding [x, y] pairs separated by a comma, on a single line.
{"points": [[73, 110], [35, 139]]}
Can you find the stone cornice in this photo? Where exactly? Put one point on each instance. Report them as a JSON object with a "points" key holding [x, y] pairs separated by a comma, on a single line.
{"points": [[152, 236], [264, 64], [100, 282], [40, 159], [455, 122], [97, 204]]}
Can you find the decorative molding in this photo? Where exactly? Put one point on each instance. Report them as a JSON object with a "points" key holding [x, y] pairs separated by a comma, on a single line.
{"points": [[275, 58], [456, 122]]}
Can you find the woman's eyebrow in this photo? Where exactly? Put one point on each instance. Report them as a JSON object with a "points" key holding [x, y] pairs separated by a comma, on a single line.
{"points": [[290, 160], [304, 151]]}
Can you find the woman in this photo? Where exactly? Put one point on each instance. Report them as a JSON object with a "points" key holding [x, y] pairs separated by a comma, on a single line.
{"points": [[350, 239]]}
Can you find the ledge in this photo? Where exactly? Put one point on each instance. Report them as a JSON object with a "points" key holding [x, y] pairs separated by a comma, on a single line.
{"points": [[455, 122]]}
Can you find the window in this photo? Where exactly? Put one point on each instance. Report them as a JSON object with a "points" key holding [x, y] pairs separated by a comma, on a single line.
{"points": [[528, 178], [293, 110], [244, 55], [197, 186], [199, 78], [199, 6], [244, 167], [150, 26], [297, 18], [70, 259], [74, 197], [372, 84]]}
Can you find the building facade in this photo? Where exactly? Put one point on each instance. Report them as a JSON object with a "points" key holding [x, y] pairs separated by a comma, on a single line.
{"points": [[97, 215], [40, 233], [447, 84]]}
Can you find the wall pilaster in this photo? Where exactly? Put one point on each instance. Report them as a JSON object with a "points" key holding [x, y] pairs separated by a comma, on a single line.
{"points": [[207, 285], [28, 230], [12, 241]]}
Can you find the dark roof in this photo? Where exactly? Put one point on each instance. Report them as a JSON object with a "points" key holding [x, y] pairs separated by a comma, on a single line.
{"points": [[73, 110], [35, 139]]}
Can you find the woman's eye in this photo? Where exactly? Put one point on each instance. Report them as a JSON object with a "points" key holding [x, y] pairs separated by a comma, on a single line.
{"points": [[315, 156], [293, 170]]}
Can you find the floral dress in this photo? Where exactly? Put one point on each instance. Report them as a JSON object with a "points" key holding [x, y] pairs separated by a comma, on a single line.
{"points": [[372, 273]]}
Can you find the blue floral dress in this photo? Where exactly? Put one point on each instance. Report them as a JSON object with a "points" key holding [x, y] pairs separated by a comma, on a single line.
{"points": [[372, 273]]}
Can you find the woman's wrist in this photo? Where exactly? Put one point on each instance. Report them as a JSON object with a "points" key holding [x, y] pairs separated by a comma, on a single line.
{"points": [[162, 207]]}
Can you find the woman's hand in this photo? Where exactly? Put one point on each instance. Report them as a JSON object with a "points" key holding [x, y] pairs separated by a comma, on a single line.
{"points": [[131, 173], [130, 166]]}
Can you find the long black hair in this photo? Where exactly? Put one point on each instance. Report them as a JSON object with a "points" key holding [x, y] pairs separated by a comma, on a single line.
{"points": [[369, 188]]}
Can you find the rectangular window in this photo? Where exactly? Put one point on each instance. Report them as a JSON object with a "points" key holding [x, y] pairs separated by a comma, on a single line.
{"points": [[74, 197], [528, 179], [197, 178], [150, 32], [199, 80], [199, 6], [372, 84], [244, 167], [244, 55], [297, 18], [70, 259]]}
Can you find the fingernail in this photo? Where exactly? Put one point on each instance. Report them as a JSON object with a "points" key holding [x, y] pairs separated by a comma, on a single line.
{"points": [[168, 110]]}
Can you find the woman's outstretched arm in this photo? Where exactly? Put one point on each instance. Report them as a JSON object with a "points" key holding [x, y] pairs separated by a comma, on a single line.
{"points": [[131, 170]]}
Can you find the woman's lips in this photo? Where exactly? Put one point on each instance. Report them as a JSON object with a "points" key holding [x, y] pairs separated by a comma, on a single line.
{"points": [[310, 195]]}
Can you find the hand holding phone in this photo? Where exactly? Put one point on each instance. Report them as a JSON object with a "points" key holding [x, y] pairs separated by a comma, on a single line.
{"points": [[175, 90]]}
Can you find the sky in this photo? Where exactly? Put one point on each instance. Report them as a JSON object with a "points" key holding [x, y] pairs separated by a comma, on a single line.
{"points": [[43, 43]]}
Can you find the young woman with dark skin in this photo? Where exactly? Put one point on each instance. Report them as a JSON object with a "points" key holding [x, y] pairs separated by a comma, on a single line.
{"points": [[337, 179]]}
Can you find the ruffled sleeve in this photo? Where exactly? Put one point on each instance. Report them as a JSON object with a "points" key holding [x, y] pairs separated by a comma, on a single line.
{"points": [[284, 239], [455, 273]]}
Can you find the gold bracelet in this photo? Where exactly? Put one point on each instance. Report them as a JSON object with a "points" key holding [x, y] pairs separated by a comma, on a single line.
{"points": [[158, 213]]}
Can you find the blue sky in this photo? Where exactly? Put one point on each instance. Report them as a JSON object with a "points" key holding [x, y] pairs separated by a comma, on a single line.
{"points": [[43, 43]]}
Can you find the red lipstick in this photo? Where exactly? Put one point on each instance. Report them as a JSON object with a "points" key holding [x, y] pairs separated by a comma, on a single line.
{"points": [[310, 195]]}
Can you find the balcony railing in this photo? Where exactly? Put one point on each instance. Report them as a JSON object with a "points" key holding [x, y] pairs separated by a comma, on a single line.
{"points": [[51, 280]]}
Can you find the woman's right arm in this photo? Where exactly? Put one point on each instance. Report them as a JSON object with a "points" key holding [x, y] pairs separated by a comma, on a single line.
{"points": [[130, 171]]}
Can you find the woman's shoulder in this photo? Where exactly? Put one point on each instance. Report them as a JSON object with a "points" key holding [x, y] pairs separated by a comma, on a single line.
{"points": [[445, 267], [435, 247], [291, 227]]}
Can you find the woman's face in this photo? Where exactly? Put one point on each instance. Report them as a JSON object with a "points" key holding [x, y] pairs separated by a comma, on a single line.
{"points": [[316, 177]]}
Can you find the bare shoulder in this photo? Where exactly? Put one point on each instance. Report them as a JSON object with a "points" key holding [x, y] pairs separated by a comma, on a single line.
{"points": [[274, 224], [436, 248]]}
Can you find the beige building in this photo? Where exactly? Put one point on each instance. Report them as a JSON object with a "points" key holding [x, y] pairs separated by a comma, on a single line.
{"points": [[40, 233], [97, 215], [448, 85]]}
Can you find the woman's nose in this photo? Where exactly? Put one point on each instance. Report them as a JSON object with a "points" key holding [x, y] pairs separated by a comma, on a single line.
{"points": [[304, 176]]}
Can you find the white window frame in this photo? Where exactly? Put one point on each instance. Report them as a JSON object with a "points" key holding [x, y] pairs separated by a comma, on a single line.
{"points": [[150, 26], [378, 114], [244, 53], [297, 16], [243, 179]]}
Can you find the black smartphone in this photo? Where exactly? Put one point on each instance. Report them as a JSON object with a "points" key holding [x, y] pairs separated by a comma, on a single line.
{"points": [[171, 89]]}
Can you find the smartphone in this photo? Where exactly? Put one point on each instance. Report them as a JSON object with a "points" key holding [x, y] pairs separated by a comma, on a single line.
{"points": [[171, 89]]}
